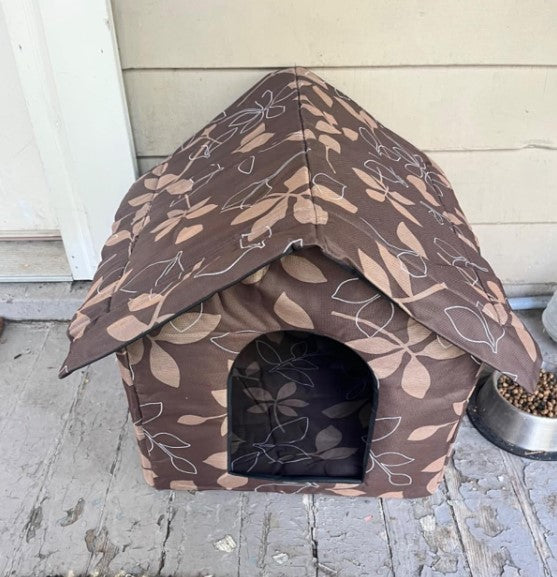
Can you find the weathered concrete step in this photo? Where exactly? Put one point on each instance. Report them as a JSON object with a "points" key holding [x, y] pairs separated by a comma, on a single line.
{"points": [[49, 301]]}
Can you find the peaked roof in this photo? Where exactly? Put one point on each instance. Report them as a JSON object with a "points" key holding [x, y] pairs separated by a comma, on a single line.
{"points": [[295, 162]]}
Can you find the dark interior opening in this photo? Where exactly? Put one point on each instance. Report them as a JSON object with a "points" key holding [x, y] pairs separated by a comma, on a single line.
{"points": [[301, 406]]}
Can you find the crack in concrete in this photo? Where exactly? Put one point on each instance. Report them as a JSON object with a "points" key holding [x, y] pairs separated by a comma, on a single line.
{"points": [[33, 523], [388, 535], [113, 470], [243, 498], [309, 502], [170, 515]]}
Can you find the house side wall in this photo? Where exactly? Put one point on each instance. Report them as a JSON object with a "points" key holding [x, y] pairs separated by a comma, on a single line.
{"points": [[179, 375], [463, 81]]}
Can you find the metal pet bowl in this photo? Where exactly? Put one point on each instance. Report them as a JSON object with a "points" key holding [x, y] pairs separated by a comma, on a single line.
{"points": [[510, 428]]}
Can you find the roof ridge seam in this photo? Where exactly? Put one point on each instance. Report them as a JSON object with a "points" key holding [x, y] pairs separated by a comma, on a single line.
{"points": [[306, 149]]}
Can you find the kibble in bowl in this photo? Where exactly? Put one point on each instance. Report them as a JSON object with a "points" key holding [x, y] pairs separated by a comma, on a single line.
{"points": [[542, 403], [515, 420]]}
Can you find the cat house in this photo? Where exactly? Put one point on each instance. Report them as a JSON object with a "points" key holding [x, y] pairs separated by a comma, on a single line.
{"points": [[297, 303]]}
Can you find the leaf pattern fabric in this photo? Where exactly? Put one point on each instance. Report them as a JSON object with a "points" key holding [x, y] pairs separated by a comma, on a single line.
{"points": [[294, 162], [417, 412], [295, 209]]}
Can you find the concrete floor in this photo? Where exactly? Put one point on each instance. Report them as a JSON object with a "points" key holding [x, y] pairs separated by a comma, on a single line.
{"points": [[73, 501]]}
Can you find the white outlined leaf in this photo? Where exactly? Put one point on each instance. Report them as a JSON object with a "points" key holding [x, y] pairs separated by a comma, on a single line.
{"points": [[267, 352], [384, 427]]}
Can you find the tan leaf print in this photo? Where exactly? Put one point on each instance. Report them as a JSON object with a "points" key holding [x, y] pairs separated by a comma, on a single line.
{"points": [[257, 131], [330, 144], [218, 460], [350, 134], [79, 324], [163, 366], [220, 396], [417, 333], [180, 186], [292, 313], [304, 210], [347, 492], [426, 431], [300, 178], [199, 211], [323, 126], [394, 267], [160, 169], [141, 199], [421, 186], [321, 191], [256, 210], [374, 272], [458, 408], [385, 366], [192, 420], [232, 481], [374, 345], [435, 466], [183, 485], [188, 328], [434, 482], [159, 183], [408, 238], [391, 495], [452, 432], [188, 232], [126, 328], [415, 379], [256, 142], [267, 221], [440, 349], [302, 269], [323, 95]]}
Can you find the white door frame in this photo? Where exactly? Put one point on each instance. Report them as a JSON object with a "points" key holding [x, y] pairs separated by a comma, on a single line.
{"points": [[67, 60]]}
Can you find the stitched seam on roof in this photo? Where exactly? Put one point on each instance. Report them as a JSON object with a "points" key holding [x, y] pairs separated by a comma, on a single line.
{"points": [[131, 245], [156, 193], [306, 156]]}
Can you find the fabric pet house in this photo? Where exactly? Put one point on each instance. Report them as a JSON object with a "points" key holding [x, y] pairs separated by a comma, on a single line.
{"points": [[297, 304]]}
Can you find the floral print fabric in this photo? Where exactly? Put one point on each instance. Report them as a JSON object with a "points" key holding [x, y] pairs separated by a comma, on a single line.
{"points": [[294, 209], [177, 381], [294, 162]]}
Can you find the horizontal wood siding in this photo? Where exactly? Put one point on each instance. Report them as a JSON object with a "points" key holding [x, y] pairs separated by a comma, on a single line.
{"points": [[472, 83], [434, 108], [260, 33]]}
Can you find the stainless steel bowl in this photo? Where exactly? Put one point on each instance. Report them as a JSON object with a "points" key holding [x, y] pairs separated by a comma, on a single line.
{"points": [[510, 428]]}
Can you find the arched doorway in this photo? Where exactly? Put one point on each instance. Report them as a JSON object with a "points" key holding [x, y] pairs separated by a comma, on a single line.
{"points": [[301, 406]]}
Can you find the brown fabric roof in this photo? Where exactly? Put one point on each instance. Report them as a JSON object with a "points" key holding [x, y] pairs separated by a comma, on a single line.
{"points": [[295, 162]]}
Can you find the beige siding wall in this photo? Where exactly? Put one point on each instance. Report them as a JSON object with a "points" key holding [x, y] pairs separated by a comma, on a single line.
{"points": [[473, 83]]}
